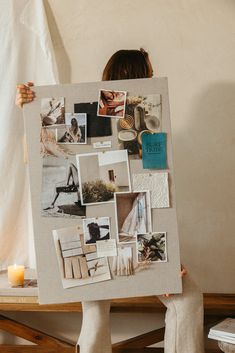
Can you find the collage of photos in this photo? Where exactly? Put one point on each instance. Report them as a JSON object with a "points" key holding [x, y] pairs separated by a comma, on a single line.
{"points": [[77, 265], [75, 178]]}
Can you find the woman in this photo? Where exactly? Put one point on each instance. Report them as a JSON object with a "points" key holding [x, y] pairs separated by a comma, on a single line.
{"points": [[73, 134], [184, 316]]}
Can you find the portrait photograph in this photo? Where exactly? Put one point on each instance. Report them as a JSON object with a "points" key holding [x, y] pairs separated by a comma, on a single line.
{"points": [[75, 129]]}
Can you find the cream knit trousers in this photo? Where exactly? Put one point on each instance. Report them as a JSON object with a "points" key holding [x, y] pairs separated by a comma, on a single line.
{"points": [[184, 323]]}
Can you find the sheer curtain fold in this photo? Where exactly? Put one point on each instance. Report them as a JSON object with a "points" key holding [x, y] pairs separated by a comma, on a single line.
{"points": [[26, 55]]}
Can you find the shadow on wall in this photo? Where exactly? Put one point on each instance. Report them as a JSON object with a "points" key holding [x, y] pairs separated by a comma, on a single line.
{"points": [[205, 169], [62, 58]]}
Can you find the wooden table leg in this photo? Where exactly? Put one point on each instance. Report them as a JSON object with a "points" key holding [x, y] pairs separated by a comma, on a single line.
{"points": [[43, 343]]}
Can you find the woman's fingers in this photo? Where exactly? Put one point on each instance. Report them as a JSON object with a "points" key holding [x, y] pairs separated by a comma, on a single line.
{"points": [[183, 272], [21, 100], [24, 94]]}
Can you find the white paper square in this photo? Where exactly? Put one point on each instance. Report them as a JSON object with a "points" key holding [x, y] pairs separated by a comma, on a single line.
{"points": [[106, 248], [157, 184]]}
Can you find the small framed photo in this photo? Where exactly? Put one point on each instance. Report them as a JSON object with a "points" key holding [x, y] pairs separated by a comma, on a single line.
{"points": [[152, 247], [75, 129], [133, 215], [52, 111], [96, 229], [102, 174], [111, 103]]}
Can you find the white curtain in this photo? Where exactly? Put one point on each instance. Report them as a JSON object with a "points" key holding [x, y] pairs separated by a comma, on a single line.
{"points": [[26, 55]]}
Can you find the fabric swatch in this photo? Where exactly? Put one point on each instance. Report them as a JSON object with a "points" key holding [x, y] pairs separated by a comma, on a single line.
{"points": [[157, 184], [96, 126], [154, 151]]}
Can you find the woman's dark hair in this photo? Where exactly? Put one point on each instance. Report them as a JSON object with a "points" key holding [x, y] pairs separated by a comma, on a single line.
{"points": [[128, 64], [74, 125]]}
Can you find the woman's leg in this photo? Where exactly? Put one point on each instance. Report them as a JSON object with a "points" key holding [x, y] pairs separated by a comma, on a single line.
{"points": [[184, 320], [95, 336]]}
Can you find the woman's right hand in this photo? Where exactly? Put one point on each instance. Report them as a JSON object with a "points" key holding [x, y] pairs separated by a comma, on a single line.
{"points": [[24, 94]]}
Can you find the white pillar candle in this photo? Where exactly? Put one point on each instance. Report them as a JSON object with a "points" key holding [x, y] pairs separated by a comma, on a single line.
{"points": [[16, 275]]}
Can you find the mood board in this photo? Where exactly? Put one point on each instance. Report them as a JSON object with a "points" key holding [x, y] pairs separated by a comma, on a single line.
{"points": [[102, 190]]}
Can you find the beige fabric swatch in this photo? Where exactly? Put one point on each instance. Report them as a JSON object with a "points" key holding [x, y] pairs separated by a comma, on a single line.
{"points": [[157, 184]]}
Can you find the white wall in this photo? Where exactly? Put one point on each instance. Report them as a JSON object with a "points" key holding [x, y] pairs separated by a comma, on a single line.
{"points": [[191, 42], [120, 173]]}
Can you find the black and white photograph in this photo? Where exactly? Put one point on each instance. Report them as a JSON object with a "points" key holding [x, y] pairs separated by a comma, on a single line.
{"points": [[76, 267], [60, 188], [75, 129], [133, 215], [152, 247], [102, 174], [111, 103], [95, 229], [52, 111]]}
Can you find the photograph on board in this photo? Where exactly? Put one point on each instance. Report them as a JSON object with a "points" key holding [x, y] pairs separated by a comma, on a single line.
{"points": [[133, 215], [152, 247], [75, 129], [95, 229], [60, 188], [102, 174], [123, 263], [52, 111], [111, 103], [143, 115]]}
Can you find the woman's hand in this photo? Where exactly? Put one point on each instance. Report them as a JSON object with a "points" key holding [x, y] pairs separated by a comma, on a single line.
{"points": [[24, 94]]}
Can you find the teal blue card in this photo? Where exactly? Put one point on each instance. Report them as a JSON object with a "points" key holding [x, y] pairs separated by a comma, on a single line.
{"points": [[154, 151]]}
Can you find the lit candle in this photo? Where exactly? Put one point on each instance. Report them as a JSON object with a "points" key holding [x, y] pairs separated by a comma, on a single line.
{"points": [[16, 275]]}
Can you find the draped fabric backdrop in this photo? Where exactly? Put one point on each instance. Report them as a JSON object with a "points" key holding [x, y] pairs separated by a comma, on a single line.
{"points": [[26, 55]]}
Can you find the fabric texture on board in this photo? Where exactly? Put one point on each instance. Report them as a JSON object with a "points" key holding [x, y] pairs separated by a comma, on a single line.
{"points": [[27, 53], [96, 126]]}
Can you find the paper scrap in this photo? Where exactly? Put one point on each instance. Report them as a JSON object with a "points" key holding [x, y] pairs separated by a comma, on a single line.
{"points": [[104, 144], [106, 248], [157, 184]]}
